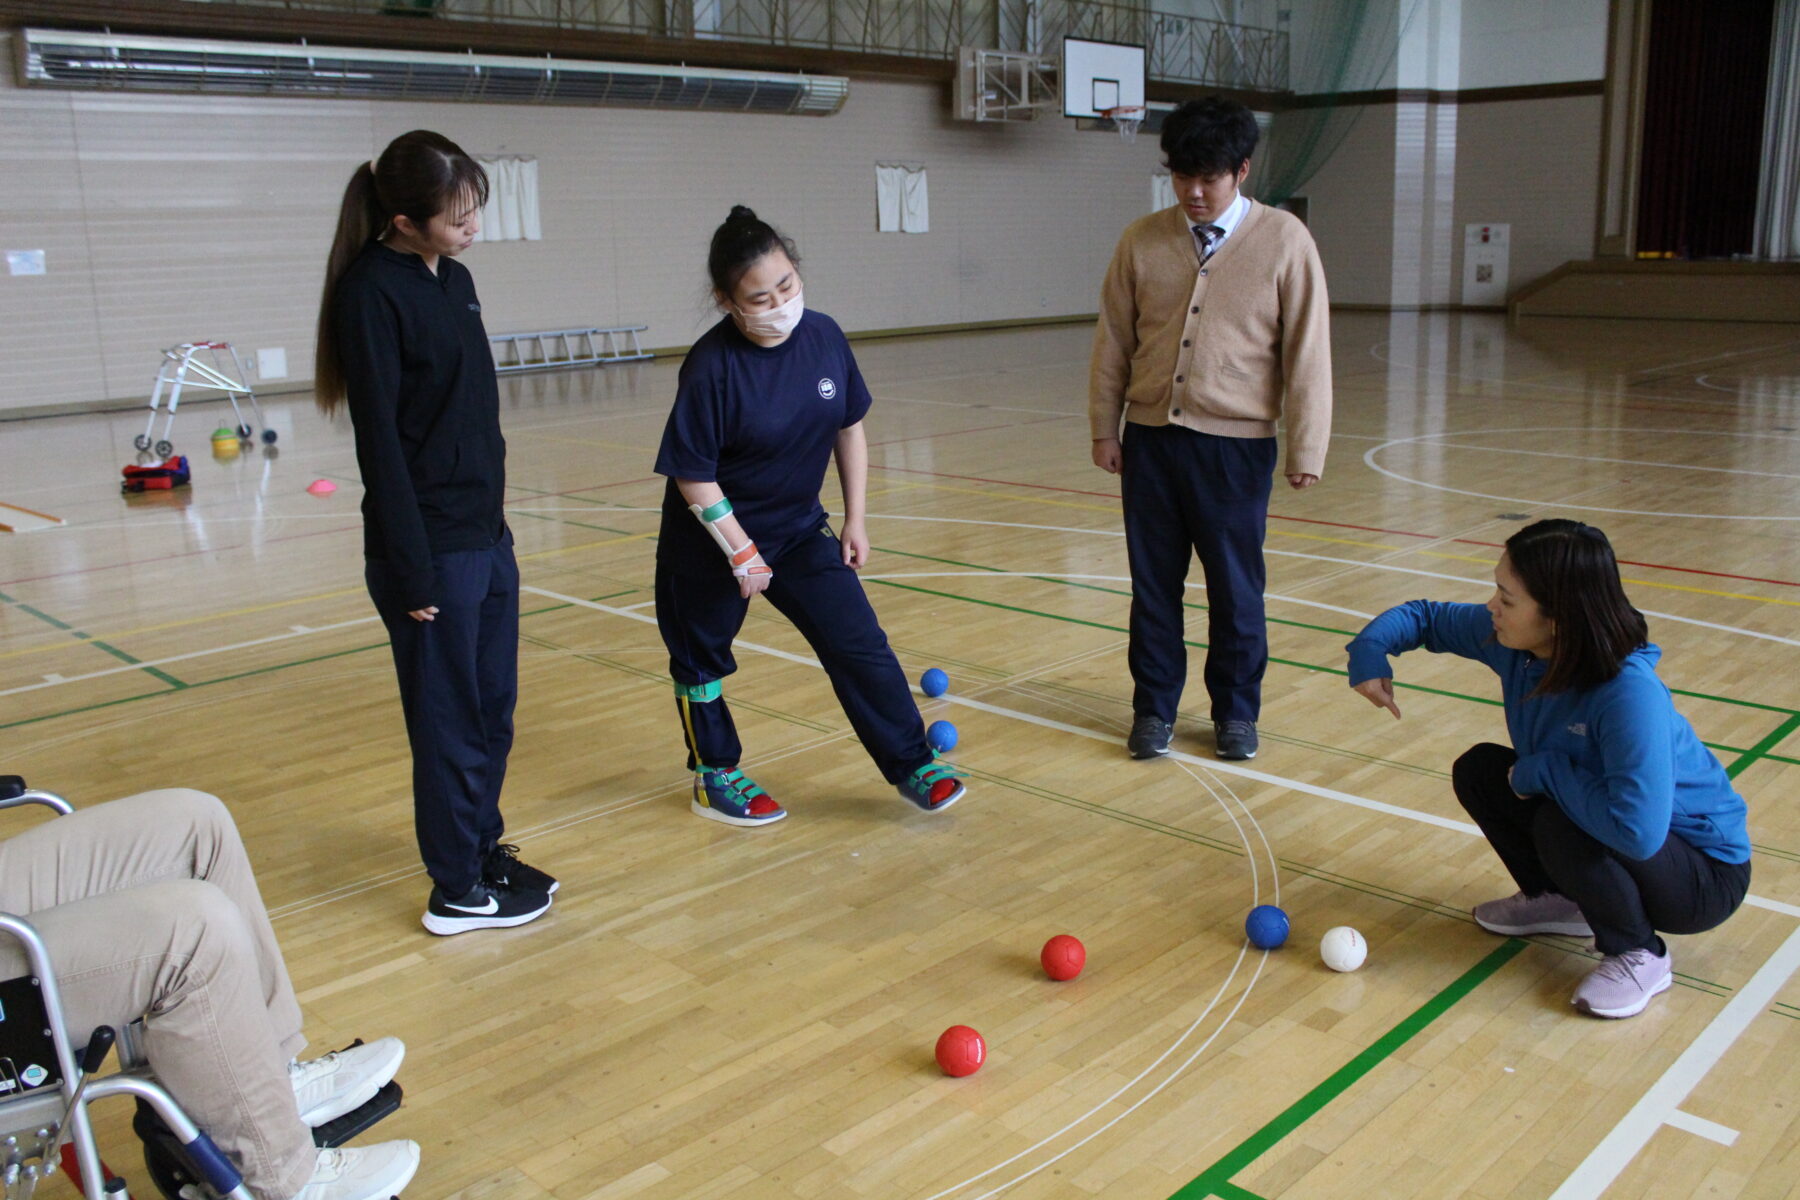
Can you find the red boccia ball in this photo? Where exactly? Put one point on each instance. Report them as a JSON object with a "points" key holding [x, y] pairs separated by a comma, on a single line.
{"points": [[1063, 957], [960, 1051]]}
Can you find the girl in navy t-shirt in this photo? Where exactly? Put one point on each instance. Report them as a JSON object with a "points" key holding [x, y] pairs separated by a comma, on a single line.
{"points": [[766, 398]]}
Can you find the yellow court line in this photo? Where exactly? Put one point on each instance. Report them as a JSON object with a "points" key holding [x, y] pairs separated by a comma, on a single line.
{"points": [[218, 616], [630, 537], [1316, 537], [944, 487]]}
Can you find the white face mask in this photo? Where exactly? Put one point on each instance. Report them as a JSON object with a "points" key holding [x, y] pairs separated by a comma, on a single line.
{"points": [[776, 322]]}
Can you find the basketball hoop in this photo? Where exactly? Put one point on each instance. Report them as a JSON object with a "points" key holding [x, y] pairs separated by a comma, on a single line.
{"points": [[1127, 118]]}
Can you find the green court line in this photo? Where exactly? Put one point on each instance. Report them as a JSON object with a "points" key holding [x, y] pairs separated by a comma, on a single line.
{"points": [[1747, 756], [1211, 1181], [1231, 1191], [96, 643], [566, 521], [1349, 633], [1349, 883], [1762, 748], [1782, 1009], [301, 662]]}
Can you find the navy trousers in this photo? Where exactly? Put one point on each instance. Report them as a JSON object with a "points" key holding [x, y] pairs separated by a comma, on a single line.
{"points": [[699, 612], [1678, 889], [459, 681], [1186, 493]]}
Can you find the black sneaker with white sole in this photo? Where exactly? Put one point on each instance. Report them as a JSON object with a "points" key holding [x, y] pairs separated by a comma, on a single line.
{"points": [[502, 866], [1235, 740], [1149, 736], [487, 906]]}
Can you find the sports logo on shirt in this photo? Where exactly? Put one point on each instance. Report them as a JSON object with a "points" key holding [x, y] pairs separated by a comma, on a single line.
{"points": [[828, 388], [1579, 729]]}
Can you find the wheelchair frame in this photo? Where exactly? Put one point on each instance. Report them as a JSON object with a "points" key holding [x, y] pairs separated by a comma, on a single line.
{"points": [[52, 1117]]}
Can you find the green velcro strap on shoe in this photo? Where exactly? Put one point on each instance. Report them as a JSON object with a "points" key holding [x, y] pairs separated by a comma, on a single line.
{"points": [[712, 512], [740, 784], [698, 693], [933, 771]]}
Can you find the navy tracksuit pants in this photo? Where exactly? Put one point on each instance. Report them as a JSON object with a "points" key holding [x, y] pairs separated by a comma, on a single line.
{"points": [[459, 681], [699, 613], [1187, 492]]}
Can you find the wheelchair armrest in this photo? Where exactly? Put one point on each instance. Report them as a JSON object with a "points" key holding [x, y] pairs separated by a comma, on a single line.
{"points": [[15, 793]]}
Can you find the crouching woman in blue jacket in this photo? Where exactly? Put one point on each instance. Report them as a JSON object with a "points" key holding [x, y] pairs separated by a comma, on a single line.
{"points": [[1610, 814]]}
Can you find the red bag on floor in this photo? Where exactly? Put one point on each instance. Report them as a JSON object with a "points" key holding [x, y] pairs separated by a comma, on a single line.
{"points": [[171, 472]]}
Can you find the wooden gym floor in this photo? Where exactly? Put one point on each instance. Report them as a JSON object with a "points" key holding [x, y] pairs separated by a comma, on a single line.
{"points": [[711, 1013]]}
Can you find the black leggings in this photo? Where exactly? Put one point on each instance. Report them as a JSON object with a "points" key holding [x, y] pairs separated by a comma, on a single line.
{"points": [[1678, 889]]}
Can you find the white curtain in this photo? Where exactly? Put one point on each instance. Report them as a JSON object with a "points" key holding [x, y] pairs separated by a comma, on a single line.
{"points": [[902, 199], [511, 213], [1778, 193], [1162, 191]]}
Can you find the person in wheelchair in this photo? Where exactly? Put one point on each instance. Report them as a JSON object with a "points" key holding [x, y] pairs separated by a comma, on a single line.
{"points": [[150, 910]]}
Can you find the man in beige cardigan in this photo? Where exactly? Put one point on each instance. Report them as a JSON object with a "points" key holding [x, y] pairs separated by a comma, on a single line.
{"points": [[1213, 326]]}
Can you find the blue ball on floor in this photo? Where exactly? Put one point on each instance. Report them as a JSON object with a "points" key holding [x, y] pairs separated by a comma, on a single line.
{"points": [[1266, 927], [934, 683], [942, 736]]}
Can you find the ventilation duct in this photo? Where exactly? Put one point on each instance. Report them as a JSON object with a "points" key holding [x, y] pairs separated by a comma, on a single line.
{"points": [[110, 62]]}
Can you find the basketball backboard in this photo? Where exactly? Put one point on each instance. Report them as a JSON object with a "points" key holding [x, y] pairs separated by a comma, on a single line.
{"points": [[1097, 76]]}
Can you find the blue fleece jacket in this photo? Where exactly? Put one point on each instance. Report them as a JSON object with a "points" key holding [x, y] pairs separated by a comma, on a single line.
{"points": [[1618, 759]]}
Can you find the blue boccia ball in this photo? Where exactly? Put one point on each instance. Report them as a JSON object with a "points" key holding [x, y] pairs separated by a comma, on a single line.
{"points": [[1266, 927], [934, 683], [942, 736]]}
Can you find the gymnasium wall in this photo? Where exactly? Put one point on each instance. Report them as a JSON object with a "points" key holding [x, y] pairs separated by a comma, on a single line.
{"points": [[168, 219]]}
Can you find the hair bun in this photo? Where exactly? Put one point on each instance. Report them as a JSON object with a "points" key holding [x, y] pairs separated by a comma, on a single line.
{"points": [[740, 212]]}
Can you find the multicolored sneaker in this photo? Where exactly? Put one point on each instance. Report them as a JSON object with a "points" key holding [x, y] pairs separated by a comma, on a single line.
{"points": [[732, 797], [933, 787]]}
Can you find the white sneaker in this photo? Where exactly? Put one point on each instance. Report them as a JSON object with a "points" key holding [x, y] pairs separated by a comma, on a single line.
{"points": [[362, 1172], [345, 1080]]}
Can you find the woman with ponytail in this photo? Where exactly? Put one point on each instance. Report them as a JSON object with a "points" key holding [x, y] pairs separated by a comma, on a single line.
{"points": [[402, 346], [1612, 817], [765, 399]]}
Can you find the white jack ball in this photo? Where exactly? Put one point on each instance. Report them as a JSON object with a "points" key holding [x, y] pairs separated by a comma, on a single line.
{"points": [[1343, 949]]}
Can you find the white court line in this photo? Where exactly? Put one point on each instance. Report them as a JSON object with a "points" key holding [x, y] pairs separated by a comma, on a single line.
{"points": [[1349, 562], [1482, 583], [175, 658], [1657, 1106], [1539, 502], [1248, 851], [1628, 462], [1712, 1130], [1617, 1150], [1200, 587]]}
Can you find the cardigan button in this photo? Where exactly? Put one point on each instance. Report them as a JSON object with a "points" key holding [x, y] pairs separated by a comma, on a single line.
{"points": [[1174, 412], [1186, 342], [1196, 307], [1179, 378]]}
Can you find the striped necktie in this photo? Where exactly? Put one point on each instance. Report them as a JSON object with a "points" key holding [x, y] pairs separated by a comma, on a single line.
{"points": [[1210, 236]]}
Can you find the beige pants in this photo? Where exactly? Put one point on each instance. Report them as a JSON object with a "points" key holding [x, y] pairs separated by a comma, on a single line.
{"points": [[149, 908]]}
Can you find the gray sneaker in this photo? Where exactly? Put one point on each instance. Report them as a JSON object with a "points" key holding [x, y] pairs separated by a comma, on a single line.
{"points": [[1519, 914], [1149, 736], [1623, 983]]}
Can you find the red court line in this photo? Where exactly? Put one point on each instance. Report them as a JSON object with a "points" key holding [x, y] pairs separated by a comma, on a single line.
{"points": [[1630, 562], [1341, 525]]}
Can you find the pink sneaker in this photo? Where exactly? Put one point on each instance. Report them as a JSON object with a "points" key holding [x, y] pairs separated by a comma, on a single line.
{"points": [[1519, 914], [1623, 983]]}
